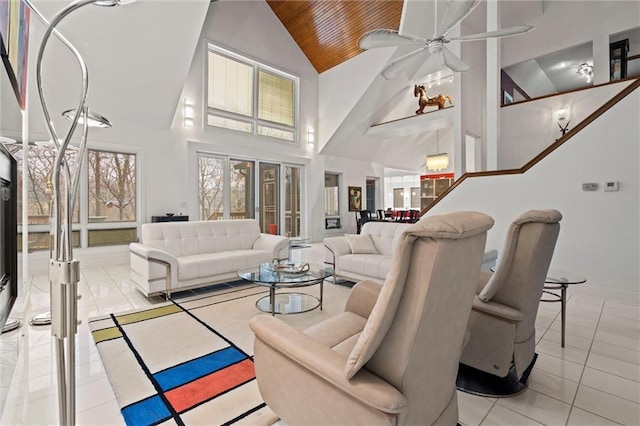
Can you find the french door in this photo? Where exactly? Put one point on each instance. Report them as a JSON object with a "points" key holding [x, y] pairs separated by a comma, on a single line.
{"points": [[227, 190], [270, 198]]}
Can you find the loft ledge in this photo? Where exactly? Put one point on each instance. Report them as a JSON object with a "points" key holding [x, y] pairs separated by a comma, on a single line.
{"points": [[419, 123]]}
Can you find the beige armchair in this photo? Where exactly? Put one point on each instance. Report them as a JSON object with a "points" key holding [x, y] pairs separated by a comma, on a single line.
{"points": [[500, 354], [392, 356]]}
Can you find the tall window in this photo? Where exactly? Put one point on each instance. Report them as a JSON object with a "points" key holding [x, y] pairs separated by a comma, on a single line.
{"points": [[210, 187], [217, 188], [110, 185], [247, 96], [331, 194]]}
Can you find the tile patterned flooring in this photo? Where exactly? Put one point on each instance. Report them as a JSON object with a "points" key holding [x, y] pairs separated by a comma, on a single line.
{"points": [[594, 380]]}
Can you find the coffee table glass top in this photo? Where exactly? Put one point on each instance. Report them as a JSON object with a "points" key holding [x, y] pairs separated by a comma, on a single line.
{"points": [[286, 274]]}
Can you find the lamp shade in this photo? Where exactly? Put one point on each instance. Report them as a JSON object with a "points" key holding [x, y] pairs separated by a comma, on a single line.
{"points": [[437, 162], [110, 3], [95, 120]]}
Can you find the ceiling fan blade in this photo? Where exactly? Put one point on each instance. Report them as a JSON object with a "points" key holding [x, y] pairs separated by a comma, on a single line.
{"points": [[455, 12], [507, 32], [387, 38], [405, 63], [452, 62], [434, 63]]}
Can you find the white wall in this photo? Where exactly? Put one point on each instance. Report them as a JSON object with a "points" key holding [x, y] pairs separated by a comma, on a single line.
{"points": [[559, 24], [250, 28], [166, 149], [528, 128], [407, 183], [567, 23], [600, 232]]}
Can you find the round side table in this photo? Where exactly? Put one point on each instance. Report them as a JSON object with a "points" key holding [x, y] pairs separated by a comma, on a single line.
{"points": [[560, 280]]}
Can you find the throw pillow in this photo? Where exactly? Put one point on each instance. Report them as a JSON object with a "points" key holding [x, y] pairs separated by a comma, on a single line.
{"points": [[361, 244]]}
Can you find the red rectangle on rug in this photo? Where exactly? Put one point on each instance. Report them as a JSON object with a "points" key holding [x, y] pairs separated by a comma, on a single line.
{"points": [[208, 387]]}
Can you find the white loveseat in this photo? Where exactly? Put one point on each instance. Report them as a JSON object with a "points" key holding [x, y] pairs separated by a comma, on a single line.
{"points": [[193, 254], [373, 263]]}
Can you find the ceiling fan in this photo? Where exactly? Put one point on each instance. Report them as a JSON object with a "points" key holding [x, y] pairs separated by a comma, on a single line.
{"points": [[432, 55]]}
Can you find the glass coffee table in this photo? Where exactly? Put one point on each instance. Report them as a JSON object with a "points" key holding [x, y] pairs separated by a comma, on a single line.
{"points": [[284, 276]]}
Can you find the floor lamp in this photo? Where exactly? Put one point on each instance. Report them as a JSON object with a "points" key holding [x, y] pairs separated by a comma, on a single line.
{"points": [[64, 270]]}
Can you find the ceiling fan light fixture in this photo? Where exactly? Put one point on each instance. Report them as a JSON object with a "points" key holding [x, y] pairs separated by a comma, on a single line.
{"points": [[432, 53]]}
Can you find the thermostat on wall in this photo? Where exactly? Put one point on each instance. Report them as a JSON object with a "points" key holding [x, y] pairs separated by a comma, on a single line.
{"points": [[611, 186]]}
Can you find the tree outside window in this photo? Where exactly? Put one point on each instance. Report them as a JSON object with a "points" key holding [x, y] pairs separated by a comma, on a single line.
{"points": [[112, 186]]}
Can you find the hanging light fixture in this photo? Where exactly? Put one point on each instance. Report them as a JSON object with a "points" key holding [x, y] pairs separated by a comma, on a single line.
{"points": [[586, 71], [438, 161]]}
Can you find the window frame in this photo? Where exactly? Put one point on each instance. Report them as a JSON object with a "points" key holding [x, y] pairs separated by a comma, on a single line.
{"points": [[83, 226], [255, 122]]}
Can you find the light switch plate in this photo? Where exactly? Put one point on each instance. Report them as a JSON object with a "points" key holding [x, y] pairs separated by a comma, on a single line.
{"points": [[589, 186], [611, 186]]}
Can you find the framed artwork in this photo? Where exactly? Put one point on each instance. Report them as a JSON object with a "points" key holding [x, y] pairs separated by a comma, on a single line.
{"points": [[332, 223], [355, 198], [618, 59], [14, 44]]}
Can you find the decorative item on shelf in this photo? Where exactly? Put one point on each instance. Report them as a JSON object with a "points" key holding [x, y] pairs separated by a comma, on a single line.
{"points": [[332, 223], [425, 101], [586, 71], [438, 161], [563, 119]]}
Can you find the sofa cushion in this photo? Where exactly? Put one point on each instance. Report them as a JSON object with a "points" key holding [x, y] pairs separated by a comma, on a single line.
{"points": [[370, 265], [199, 237], [361, 244], [211, 264], [385, 235]]}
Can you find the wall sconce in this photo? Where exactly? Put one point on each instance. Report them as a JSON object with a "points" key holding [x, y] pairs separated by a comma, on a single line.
{"points": [[563, 118], [188, 113], [310, 138]]}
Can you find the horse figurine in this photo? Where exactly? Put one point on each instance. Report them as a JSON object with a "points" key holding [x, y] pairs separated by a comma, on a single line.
{"points": [[424, 100]]}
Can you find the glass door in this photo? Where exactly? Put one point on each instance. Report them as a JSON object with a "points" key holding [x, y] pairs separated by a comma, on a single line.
{"points": [[371, 194], [241, 189], [292, 214], [269, 197]]}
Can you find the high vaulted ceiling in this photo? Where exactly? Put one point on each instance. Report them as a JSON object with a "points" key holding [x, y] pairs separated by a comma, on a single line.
{"points": [[328, 31]]}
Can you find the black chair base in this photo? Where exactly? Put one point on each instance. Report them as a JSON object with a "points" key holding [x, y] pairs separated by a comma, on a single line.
{"points": [[477, 382]]}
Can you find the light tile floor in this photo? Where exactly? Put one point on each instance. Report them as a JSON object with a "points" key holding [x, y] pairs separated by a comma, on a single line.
{"points": [[594, 380]]}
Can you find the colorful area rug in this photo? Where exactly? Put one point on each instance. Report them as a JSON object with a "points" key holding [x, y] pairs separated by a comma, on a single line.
{"points": [[189, 361]]}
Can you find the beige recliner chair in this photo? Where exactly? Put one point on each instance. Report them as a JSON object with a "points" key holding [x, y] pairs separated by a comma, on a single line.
{"points": [[500, 354], [392, 356]]}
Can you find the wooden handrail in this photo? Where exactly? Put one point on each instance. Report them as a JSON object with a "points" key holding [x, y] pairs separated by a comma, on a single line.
{"points": [[608, 83], [571, 133]]}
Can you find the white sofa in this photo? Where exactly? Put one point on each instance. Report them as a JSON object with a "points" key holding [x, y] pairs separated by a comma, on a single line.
{"points": [[365, 264], [193, 254]]}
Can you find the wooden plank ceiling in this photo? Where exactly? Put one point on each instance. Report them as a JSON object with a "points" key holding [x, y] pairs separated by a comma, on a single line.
{"points": [[328, 31]]}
